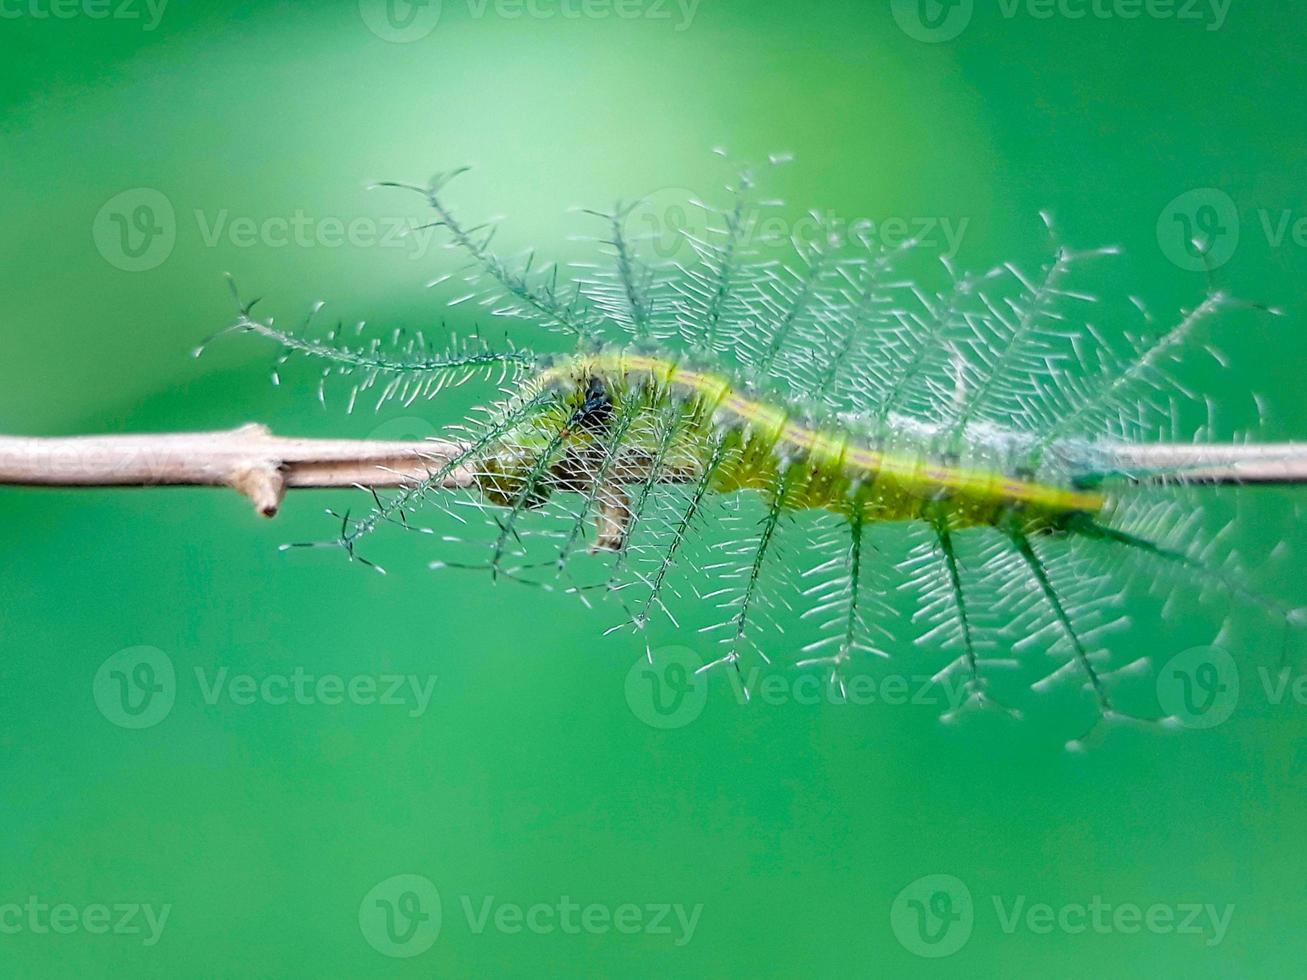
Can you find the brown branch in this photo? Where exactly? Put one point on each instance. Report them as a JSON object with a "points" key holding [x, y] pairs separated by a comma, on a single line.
{"points": [[1272, 463], [250, 460], [263, 467]]}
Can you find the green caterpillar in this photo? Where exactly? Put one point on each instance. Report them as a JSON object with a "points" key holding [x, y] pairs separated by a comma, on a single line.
{"points": [[828, 385], [840, 472]]}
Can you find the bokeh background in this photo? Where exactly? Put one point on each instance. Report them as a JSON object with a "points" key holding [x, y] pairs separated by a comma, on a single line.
{"points": [[795, 836]]}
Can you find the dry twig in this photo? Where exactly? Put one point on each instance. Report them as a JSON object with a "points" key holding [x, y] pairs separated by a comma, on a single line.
{"points": [[250, 460], [262, 467]]}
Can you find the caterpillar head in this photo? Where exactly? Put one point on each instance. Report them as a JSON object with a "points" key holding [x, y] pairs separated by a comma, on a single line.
{"points": [[592, 429], [561, 445]]}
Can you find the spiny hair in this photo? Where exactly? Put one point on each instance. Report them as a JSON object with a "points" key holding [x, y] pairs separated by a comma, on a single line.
{"points": [[763, 431]]}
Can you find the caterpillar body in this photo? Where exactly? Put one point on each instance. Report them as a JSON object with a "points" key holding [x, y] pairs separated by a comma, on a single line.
{"points": [[744, 427], [887, 475]]}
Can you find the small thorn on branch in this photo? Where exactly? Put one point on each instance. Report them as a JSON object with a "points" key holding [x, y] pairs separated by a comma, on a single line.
{"points": [[263, 483], [612, 519]]}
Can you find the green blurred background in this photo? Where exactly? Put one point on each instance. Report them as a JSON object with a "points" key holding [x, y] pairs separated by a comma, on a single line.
{"points": [[266, 828]]}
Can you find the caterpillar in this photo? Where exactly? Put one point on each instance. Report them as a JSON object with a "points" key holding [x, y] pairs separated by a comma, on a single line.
{"points": [[809, 433]]}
